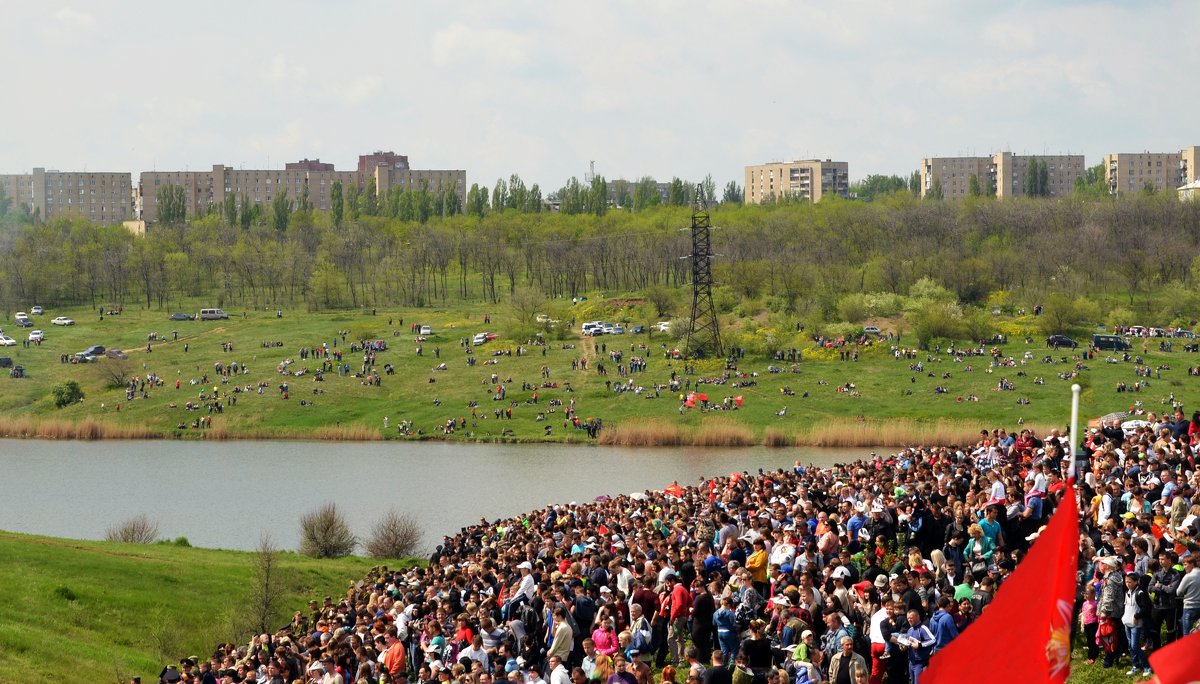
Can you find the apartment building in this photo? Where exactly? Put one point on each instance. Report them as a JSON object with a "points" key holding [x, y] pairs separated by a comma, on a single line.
{"points": [[205, 188], [99, 197], [1004, 174], [1133, 171], [809, 179]]}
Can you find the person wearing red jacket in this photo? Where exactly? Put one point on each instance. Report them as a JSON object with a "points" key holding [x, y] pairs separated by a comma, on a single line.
{"points": [[681, 610]]}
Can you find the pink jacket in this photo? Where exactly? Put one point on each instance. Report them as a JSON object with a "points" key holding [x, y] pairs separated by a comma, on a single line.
{"points": [[605, 641]]}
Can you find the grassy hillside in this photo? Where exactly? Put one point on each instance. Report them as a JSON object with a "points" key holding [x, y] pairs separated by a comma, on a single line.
{"points": [[879, 409], [73, 611]]}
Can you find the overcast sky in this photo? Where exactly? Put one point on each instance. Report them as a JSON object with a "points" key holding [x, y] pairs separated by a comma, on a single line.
{"points": [[643, 88]]}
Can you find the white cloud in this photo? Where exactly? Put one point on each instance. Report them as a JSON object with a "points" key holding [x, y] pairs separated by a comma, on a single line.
{"points": [[65, 24], [480, 47]]}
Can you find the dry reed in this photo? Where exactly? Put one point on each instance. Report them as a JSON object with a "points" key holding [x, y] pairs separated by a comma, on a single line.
{"points": [[87, 429], [895, 432], [346, 433], [643, 433], [721, 433], [776, 438]]}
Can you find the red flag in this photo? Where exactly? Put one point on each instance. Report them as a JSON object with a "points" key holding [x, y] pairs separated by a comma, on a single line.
{"points": [[1179, 662], [738, 400], [1024, 635]]}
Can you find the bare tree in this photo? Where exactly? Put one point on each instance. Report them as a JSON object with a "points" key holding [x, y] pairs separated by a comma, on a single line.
{"points": [[395, 535], [268, 589]]}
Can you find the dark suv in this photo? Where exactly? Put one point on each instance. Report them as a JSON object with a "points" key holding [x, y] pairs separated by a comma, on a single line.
{"points": [[1056, 341]]}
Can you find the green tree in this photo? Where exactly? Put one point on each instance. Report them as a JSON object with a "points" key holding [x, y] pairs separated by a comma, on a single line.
{"points": [[229, 209], [281, 210], [336, 203], [500, 195], [597, 197], [877, 186], [533, 203], [732, 194], [172, 204], [1093, 184], [709, 186], [368, 201], [621, 196], [677, 194], [5, 201], [646, 195], [305, 204], [246, 212], [914, 183], [935, 192], [973, 189], [352, 201], [67, 393]]}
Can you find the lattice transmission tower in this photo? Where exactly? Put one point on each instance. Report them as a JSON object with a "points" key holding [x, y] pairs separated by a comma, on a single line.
{"points": [[704, 337]]}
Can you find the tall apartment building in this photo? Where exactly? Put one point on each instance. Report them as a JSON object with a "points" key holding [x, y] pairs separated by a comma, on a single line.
{"points": [[99, 197], [810, 179], [1133, 171], [308, 165], [1004, 173], [204, 188]]}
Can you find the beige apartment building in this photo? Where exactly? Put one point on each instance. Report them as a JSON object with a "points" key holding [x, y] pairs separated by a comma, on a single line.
{"points": [[809, 179], [205, 188], [99, 197], [1003, 173], [1129, 172]]}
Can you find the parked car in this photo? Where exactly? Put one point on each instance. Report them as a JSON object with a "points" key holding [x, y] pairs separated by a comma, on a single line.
{"points": [[24, 323], [37, 311], [91, 352], [1185, 333], [1057, 341], [116, 354], [1110, 343], [426, 330], [36, 336], [872, 330], [181, 317], [6, 341], [21, 316], [618, 330], [479, 339], [663, 326], [63, 320], [638, 329]]}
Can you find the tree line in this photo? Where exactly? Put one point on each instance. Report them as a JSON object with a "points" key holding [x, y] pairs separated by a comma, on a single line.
{"points": [[799, 259]]}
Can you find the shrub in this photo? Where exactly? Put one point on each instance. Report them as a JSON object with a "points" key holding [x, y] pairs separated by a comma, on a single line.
{"points": [[136, 530], [67, 393], [395, 535], [325, 534]]}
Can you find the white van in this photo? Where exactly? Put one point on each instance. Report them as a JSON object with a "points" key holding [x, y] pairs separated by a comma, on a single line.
{"points": [[426, 330], [212, 314], [479, 339]]}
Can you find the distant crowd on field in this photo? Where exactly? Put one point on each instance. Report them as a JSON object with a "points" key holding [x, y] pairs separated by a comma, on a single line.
{"points": [[858, 573]]}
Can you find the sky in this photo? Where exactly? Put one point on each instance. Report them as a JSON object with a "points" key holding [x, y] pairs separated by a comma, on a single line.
{"points": [[671, 88]]}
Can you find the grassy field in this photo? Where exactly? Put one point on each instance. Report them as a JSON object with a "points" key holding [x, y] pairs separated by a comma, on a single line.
{"points": [[75, 611], [889, 403]]}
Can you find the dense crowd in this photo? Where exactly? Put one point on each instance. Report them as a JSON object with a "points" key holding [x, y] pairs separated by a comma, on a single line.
{"points": [[851, 574]]}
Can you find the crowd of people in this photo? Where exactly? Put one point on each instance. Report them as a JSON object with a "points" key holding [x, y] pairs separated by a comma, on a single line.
{"points": [[857, 573]]}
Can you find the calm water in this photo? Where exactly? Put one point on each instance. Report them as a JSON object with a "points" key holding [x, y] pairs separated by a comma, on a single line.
{"points": [[226, 495]]}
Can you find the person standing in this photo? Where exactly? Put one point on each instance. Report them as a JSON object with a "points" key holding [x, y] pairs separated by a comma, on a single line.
{"points": [[1163, 586], [1136, 610], [1112, 600], [919, 642], [681, 610], [1189, 593], [846, 666]]}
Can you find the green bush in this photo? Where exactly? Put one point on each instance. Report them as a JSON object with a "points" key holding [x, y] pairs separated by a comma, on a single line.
{"points": [[67, 393]]}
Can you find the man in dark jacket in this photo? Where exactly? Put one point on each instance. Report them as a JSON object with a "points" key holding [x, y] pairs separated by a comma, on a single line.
{"points": [[1163, 614]]}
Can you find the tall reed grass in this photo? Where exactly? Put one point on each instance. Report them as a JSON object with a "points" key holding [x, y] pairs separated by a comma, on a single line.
{"points": [[722, 433], [777, 438], [895, 432], [89, 428], [643, 433]]}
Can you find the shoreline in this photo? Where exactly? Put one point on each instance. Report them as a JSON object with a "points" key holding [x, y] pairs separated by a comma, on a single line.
{"points": [[652, 432]]}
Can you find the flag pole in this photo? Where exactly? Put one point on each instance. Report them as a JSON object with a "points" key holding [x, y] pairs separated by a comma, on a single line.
{"points": [[1076, 442]]}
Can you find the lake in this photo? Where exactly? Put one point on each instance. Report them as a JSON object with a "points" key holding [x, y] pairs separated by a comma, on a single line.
{"points": [[228, 494]]}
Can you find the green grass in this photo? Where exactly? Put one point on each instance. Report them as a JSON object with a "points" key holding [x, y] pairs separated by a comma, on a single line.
{"points": [[74, 611], [347, 408]]}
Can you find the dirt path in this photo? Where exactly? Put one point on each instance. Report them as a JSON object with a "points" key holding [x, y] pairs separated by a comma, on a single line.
{"points": [[588, 345]]}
